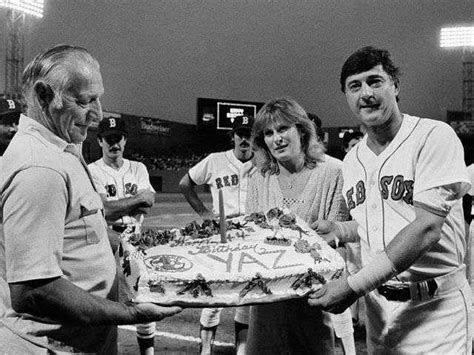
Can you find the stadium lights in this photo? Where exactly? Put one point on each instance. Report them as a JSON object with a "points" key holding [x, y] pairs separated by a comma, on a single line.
{"points": [[459, 36], [30, 7]]}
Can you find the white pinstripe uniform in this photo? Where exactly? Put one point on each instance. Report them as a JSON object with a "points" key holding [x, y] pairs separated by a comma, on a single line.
{"points": [[381, 192], [123, 183], [224, 171]]}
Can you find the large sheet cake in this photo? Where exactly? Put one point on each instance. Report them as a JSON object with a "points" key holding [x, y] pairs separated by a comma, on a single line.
{"points": [[267, 257]]}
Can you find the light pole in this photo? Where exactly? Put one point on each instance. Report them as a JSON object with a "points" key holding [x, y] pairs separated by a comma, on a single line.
{"points": [[17, 10], [462, 37]]}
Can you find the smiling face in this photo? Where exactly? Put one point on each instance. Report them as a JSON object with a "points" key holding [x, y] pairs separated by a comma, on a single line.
{"points": [[80, 105], [371, 96], [283, 141]]}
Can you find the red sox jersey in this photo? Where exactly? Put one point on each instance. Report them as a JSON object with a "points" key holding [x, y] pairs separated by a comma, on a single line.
{"points": [[381, 191], [117, 184], [224, 171]]}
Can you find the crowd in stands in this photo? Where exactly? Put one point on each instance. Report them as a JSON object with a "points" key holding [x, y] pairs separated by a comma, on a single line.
{"points": [[171, 161]]}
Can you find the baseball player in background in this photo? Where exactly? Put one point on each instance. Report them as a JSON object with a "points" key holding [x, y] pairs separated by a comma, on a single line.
{"points": [[125, 188], [230, 171], [403, 185], [10, 111]]}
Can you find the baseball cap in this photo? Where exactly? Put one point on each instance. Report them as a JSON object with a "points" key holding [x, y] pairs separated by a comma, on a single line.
{"points": [[9, 111], [112, 125], [242, 122]]}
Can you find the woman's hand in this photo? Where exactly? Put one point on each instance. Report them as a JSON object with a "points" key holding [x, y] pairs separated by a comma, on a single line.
{"points": [[328, 231]]}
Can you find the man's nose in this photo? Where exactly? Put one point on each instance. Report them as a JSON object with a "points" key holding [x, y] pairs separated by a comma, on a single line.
{"points": [[366, 91], [96, 109]]}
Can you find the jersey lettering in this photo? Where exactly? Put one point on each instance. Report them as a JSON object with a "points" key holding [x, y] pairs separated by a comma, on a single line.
{"points": [[131, 189], [228, 180], [384, 182], [350, 199], [396, 188], [360, 193], [111, 190], [234, 179], [408, 198]]}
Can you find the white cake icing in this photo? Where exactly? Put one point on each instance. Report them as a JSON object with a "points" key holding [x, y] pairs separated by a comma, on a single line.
{"points": [[206, 272]]}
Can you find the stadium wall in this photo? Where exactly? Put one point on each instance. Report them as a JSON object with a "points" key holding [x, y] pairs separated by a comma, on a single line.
{"points": [[160, 137], [168, 181]]}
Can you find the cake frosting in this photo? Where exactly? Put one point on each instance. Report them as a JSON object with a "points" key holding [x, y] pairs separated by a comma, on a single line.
{"points": [[268, 257]]}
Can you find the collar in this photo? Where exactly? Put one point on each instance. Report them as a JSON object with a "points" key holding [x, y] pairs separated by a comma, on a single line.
{"points": [[30, 126]]}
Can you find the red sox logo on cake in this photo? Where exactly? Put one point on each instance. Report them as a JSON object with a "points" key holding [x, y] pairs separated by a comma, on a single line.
{"points": [[168, 263], [251, 259]]}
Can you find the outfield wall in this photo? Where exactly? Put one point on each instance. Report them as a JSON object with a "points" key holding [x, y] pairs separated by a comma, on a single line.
{"points": [[168, 181]]}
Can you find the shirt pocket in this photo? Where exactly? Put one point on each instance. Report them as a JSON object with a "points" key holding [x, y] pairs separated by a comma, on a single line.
{"points": [[92, 218]]}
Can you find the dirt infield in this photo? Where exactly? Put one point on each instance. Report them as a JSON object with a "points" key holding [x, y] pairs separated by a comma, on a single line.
{"points": [[179, 334]]}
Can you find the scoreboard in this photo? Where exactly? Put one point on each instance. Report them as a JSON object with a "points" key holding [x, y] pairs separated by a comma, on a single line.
{"points": [[219, 114]]}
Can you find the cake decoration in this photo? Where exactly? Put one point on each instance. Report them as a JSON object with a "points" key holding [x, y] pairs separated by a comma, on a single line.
{"points": [[308, 280], [156, 286], [196, 287], [256, 282]]}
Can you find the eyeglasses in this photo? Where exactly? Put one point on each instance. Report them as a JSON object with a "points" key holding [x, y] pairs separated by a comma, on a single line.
{"points": [[113, 138]]}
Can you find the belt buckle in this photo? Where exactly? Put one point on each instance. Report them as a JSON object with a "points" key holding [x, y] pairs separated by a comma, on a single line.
{"points": [[400, 293]]}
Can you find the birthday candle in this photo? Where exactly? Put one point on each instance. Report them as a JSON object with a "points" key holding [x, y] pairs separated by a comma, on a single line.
{"points": [[222, 218]]}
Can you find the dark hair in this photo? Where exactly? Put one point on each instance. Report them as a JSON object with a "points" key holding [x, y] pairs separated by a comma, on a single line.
{"points": [[318, 123], [365, 59], [289, 111]]}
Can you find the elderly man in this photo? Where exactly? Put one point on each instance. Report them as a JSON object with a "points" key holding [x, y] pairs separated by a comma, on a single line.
{"points": [[58, 274]]}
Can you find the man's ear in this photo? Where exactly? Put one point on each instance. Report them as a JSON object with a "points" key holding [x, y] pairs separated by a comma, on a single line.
{"points": [[44, 94]]}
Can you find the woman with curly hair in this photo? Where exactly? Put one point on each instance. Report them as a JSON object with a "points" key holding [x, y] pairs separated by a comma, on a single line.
{"points": [[297, 174]]}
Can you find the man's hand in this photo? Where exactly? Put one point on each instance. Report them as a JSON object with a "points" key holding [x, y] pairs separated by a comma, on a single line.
{"points": [[334, 297], [138, 211], [147, 198], [150, 312], [328, 231]]}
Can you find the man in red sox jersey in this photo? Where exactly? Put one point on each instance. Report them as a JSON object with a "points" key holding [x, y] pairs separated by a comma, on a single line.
{"points": [[403, 184], [230, 172], [126, 192]]}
